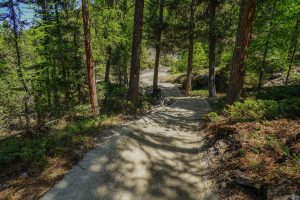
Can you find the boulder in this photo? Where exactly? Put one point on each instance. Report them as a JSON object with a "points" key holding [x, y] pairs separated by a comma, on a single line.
{"points": [[200, 82], [244, 180], [280, 190]]}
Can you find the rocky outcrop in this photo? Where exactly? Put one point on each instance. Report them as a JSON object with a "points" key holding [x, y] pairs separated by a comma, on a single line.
{"points": [[200, 81]]}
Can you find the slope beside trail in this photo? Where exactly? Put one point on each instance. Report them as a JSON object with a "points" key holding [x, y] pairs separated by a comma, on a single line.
{"points": [[160, 156]]}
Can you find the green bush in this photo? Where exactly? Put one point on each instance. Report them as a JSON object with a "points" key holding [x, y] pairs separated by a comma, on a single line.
{"points": [[212, 117], [279, 92], [32, 152], [251, 109], [115, 97]]}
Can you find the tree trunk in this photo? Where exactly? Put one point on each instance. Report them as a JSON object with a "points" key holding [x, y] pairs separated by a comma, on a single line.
{"points": [[240, 53], [108, 64], [267, 44], [292, 50], [212, 47], [108, 50], [188, 87], [136, 53], [89, 58], [19, 70], [158, 46]]}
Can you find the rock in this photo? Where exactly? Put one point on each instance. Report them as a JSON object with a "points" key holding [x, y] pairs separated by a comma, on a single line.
{"points": [[169, 101], [227, 177], [244, 181], [235, 172], [296, 148], [221, 146], [279, 190], [287, 197], [201, 81], [223, 185], [24, 175], [275, 76], [213, 151]]}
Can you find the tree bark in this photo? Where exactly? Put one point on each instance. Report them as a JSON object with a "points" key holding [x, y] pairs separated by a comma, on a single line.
{"points": [[267, 44], [188, 87], [108, 64], [240, 53], [108, 51], [89, 58], [136, 53], [292, 50], [158, 45], [212, 47]]}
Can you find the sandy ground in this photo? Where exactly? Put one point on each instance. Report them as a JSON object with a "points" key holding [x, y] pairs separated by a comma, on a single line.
{"points": [[160, 156]]}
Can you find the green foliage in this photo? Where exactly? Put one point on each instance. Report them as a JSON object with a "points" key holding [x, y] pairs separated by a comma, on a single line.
{"points": [[199, 61], [283, 22], [199, 93], [279, 92], [252, 110], [30, 152], [114, 97], [168, 60], [212, 117], [33, 151]]}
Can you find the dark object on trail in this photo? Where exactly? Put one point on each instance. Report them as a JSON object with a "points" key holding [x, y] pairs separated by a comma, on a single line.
{"points": [[75, 156]]}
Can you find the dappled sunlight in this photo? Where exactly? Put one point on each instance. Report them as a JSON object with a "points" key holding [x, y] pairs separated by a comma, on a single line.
{"points": [[156, 157]]}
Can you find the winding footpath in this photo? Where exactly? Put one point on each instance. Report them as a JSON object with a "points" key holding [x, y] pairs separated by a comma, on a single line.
{"points": [[159, 157]]}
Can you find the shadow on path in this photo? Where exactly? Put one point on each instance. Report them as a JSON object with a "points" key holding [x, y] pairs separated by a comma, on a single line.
{"points": [[156, 157]]}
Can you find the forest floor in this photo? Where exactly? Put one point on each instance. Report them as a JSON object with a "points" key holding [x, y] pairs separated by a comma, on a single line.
{"points": [[160, 156]]}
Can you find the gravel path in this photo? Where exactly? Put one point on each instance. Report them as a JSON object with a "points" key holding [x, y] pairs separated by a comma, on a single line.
{"points": [[160, 156]]}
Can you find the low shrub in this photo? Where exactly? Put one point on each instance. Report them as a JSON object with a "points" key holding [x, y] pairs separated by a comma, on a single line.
{"points": [[212, 117], [32, 151], [251, 109], [279, 92]]}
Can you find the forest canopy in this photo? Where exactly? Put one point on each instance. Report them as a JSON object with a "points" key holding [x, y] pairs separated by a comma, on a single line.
{"points": [[43, 59]]}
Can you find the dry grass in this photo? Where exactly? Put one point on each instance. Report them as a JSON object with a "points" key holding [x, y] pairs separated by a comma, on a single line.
{"points": [[267, 151], [27, 187], [19, 181]]}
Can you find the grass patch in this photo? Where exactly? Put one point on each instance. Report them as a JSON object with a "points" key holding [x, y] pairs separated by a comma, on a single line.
{"points": [[199, 93], [44, 159], [266, 151], [32, 151], [263, 130]]}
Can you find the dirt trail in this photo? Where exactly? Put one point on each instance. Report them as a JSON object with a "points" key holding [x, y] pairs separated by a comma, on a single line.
{"points": [[160, 156]]}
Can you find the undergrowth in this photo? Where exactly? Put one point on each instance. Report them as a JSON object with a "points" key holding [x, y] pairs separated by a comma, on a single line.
{"points": [[77, 131], [32, 151], [263, 129]]}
